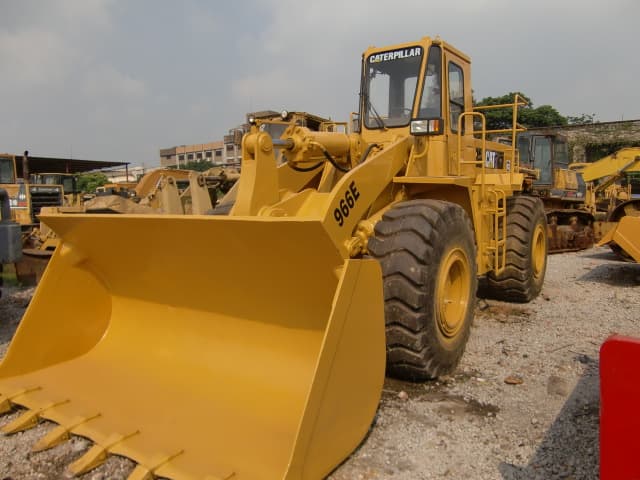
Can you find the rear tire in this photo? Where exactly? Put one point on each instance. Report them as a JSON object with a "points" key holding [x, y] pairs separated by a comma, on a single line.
{"points": [[428, 256], [526, 256]]}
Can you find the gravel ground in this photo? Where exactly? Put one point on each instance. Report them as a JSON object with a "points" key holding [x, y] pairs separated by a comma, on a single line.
{"points": [[523, 403]]}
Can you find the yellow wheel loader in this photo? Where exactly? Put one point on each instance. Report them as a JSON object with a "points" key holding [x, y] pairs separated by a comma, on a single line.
{"points": [[622, 226], [264, 357]]}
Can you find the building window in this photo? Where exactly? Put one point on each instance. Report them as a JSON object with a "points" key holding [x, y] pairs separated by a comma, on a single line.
{"points": [[190, 156], [218, 153], [207, 154], [199, 155], [181, 158]]}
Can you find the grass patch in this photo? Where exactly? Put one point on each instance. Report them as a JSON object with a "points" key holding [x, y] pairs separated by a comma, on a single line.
{"points": [[8, 276]]}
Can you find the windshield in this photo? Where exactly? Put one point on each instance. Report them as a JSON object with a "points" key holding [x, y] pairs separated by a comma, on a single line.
{"points": [[542, 160], [6, 170], [390, 87]]}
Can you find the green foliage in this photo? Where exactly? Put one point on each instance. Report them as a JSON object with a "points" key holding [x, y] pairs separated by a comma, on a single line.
{"points": [[198, 165], [581, 119], [88, 182], [542, 116]]}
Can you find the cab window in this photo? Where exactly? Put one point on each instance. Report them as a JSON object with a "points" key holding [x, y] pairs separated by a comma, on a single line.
{"points": [[456, 94], [6, 170], [390, 87], [431, 101]]}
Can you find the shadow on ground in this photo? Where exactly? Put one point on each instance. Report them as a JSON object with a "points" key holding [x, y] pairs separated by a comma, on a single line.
{"points": [[570, 448], [619, 274]]}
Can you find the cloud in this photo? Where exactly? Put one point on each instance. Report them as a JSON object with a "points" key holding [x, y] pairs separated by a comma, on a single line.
{"points": [[105, 82], [33, 58], [189, 72], [41, 44]]}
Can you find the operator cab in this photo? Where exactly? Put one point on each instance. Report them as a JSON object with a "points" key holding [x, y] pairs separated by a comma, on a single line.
{"points": [[393, 96]]}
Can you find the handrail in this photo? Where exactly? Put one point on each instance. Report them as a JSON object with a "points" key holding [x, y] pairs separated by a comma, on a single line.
{"points": [[461, 161], [518, 101]]}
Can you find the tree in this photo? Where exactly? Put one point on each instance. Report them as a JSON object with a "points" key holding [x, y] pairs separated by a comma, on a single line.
{"points": [[542, 116], [88, 182], [581, 119]]}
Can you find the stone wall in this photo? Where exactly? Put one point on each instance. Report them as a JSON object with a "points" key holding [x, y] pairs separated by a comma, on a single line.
{"points": [[592, 141]]}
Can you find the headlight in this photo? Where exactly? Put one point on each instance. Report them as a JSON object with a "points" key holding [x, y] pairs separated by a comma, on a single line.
{"points": [[431, 126]]}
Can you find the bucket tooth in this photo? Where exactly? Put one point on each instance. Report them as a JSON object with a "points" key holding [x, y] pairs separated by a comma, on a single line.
{"points": [[142, 472], [97, 455], [28, 419], [59, 434], [6, 403], [54, 437]]}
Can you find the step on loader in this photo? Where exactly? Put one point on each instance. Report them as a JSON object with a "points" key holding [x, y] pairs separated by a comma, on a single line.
{"points": [[264, 357]]}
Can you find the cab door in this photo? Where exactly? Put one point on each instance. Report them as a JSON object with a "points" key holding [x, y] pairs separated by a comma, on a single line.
{"points": [[457, 99]]}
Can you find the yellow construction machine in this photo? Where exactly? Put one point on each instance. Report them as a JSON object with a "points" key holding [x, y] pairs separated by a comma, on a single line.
{"points": [[264, 357], [27, 197], [621, 228], [570, 223]]}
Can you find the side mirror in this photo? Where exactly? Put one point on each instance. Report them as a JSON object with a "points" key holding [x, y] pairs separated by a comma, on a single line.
{"points": [[427, 126]]}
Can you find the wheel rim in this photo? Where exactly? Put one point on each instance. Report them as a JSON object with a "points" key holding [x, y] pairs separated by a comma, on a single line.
{"points": [[538, 251], [453, 293]]}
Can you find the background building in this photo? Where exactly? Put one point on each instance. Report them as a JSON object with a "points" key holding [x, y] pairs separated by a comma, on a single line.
{"points": [[219, 152]]}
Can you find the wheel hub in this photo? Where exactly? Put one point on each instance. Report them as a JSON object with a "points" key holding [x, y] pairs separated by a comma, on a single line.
{"points": [[453, 292], [538, 251]]}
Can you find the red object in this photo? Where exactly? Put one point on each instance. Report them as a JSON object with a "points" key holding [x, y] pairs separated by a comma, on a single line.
{"points": [[620, 408]]}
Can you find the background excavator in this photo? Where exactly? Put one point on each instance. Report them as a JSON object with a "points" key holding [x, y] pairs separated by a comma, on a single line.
{"points": [[264, 357], [584, 202]]}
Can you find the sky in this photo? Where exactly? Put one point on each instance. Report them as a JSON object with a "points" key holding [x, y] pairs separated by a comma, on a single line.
{"points": [[118, 80]]}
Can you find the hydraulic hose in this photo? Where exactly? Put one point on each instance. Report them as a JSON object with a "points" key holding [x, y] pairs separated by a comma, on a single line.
{"points": [[328, 156], [366, 153], [306, 169]]}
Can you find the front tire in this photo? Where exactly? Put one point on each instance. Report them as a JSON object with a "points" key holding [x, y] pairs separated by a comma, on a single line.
{"points": [[428, 256]]}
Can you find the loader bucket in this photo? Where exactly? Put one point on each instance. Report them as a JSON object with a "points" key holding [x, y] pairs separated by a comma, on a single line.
{"points": [[201, 347], [626, 234]]}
